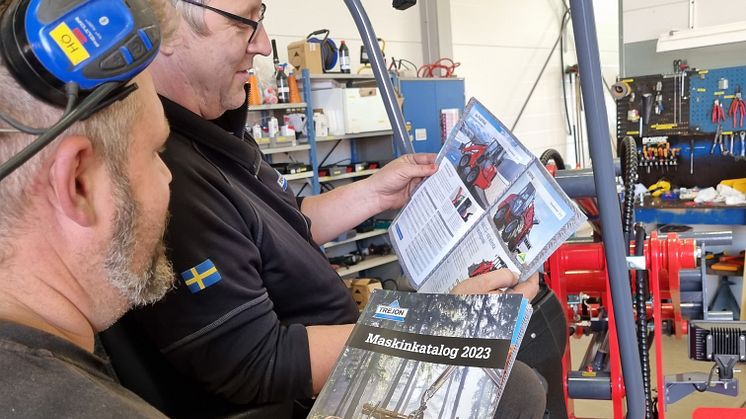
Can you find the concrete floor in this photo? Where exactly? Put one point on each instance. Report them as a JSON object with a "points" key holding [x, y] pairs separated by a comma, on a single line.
{"points": [[676, 361]]}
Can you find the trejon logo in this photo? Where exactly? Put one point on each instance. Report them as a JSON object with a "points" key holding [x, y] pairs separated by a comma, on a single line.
{"points": [[391, 312]]}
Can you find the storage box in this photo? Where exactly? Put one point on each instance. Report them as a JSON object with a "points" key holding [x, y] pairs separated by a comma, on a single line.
{"points": [[364, 111], [332, 102], [303, 54], [362, 290], [352, 111]]}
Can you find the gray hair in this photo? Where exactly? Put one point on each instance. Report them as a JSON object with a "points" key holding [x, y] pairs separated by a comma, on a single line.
{"points": [[194, 16]]}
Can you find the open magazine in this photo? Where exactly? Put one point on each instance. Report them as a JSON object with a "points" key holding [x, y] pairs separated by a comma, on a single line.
{"points": [[490, 205], [415, 355]]}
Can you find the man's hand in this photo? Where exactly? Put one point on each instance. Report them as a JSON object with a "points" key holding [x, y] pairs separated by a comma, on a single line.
{"points": [[529, 288], [494, 282], [393, 185], [344, 207]]}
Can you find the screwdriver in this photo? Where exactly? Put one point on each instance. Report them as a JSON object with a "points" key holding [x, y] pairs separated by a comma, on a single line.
{"points": [[691, 156]]}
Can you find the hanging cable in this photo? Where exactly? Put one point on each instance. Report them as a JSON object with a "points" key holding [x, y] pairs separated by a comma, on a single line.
{"points": [[641, 292], [445, 66], [71, 91], [88, 104], [562, 71], [630, 174]]}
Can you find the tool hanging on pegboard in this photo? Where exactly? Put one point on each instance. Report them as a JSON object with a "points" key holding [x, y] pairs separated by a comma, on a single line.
{"points": [[737, 108], [723, 85], [653, 105]]}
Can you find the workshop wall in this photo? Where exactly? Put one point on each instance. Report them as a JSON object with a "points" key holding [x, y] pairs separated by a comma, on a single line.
{"points": [[645, 20], [291, 20], [501, 45]]}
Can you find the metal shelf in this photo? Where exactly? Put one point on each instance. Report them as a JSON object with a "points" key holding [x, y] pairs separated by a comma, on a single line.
{"points": [[369, 134], [360, 236], [348, 175], [278, 106], [370, 262], [276, 150], [339, 76], [299, 176]]}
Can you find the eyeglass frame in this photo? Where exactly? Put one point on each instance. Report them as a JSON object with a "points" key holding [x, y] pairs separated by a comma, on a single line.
{"points": [[246, 21]]}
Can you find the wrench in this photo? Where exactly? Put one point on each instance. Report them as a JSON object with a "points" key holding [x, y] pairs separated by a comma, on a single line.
{"points": [[718, 141], [742, 134]]}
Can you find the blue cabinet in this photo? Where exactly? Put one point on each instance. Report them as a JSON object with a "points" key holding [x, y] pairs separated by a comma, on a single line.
{"points": [[423, 101]]}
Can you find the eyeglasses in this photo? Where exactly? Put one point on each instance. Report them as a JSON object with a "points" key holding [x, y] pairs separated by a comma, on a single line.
{"points": [[254, 24]]}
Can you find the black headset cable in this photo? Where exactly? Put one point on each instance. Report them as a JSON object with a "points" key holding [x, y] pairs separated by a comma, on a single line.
{"points": [[69, 118]]}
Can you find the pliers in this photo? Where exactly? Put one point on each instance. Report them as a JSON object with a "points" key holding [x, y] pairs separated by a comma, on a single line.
{"points": [[718, 140], [737, 108], [718, 114]]}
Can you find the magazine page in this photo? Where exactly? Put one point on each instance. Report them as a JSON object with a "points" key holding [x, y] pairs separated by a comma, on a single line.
{"points": [[522, 215], [426, 355], [533, 218], [477, 163], [480, 252], [436, 217]]}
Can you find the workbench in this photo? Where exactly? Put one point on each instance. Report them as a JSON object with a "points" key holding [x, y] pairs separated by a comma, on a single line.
{"points": [[658, 211]]}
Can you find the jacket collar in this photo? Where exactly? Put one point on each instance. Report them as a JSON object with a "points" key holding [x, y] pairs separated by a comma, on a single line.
{"points": [[225, 135]]}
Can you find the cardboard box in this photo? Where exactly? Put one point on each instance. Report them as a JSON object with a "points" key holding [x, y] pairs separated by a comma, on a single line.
{"points": [[362, 290], [304, 54]]}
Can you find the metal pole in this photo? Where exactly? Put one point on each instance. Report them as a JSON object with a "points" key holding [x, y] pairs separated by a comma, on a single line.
{"points": [[379, 71], [586, 43], [311, 132]]}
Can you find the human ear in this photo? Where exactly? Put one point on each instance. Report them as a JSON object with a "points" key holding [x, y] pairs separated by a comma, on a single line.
{"points": [[73, 176]]}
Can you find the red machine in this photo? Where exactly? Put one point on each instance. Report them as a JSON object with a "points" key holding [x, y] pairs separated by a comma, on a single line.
{"points": [[478, 164], [484, 267], [515, 217], [580, 269]]}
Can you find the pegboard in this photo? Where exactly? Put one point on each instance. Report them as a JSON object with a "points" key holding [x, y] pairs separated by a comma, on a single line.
{"points": [[665, 123], [704, 90]]}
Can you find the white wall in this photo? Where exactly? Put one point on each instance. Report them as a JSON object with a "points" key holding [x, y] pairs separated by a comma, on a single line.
{"points": [[501, 45], [647, 19]]}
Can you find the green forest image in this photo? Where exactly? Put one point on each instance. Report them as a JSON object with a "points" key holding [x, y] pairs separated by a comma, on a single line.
{"points": [[371, 384]]}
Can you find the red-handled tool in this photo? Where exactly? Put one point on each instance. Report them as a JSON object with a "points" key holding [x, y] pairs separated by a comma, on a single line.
{"points": [[737, 108], [718, 114]]}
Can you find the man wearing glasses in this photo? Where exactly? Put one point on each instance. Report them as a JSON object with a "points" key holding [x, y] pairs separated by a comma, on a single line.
{"points": [[258, 315]]}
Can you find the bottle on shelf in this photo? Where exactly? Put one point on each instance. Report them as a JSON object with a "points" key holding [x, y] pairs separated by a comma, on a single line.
{"points": [[275, 58], [344, 58], [255, 94], [273, 127], [283, 89], [293, 86]]}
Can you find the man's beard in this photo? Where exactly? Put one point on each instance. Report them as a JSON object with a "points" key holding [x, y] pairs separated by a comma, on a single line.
{"points": [[147, 284]]}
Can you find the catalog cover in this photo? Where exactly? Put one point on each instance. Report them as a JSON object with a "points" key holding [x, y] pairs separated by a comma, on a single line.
{"points": [[490, 205], [415, 355]]}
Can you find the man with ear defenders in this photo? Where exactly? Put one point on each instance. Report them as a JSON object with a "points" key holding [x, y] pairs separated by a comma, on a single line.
{"points": [[82, 206]]}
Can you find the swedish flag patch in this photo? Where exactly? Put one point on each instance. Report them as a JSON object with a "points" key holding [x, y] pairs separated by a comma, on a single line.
{"points": [[201, 276]]}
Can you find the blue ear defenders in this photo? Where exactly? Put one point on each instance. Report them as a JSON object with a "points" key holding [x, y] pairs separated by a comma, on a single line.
{"points": [[49, 43], [63, 50]]}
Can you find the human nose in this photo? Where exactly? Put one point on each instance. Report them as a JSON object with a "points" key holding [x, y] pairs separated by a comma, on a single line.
{"points": [[260, 44]]}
